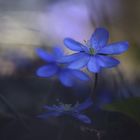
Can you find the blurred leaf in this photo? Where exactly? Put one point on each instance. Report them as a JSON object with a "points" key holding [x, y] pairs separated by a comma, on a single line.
{"points": [[129, 107]]}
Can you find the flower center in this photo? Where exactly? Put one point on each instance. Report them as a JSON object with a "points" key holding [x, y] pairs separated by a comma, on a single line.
{"points": [[67, 107], [88, 45], [91, 51]]}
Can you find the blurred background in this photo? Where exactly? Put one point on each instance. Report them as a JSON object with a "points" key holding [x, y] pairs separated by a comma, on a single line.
{"points": [[29, 24]]}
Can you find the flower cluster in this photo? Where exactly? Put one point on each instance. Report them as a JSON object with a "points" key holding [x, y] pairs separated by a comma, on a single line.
{"points": [[94, 54]]}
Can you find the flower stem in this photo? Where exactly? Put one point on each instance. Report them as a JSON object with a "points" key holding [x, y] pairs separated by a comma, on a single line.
{"points": [[94, 86], [6, 102], [95, 82]]}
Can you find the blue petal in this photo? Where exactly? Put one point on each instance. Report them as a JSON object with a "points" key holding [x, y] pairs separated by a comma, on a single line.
{"points": [[80, 75], [73, 45], [93, 65], [83, 118], [107, 61], [50, 108], [70, 58], [84, 105], [45, 55], [115, 48], [66, 79], [49, 114], [54, 108], [80, 62], [99, 38], [58, 52], [47, 71]]}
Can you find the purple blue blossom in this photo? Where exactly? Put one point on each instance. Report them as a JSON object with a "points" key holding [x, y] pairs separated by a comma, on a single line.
{"points": [[94, 54], [66, 75], [68, 110]]}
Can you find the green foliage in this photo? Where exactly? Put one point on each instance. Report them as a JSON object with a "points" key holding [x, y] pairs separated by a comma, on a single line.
{"points": [[129, 107]]}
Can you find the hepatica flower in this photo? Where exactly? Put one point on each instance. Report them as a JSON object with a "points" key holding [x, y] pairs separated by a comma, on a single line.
{"points": [[68, 110], [66, 76], [94, 54]]}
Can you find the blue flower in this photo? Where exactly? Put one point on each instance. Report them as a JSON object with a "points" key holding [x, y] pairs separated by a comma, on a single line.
{"points": [[66, 76], [68, 110], [94, 54]]}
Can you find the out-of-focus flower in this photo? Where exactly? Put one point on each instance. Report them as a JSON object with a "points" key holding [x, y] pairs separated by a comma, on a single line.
{"points": [[66, 76], [94, 53], [69, 110]]}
